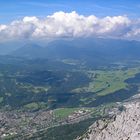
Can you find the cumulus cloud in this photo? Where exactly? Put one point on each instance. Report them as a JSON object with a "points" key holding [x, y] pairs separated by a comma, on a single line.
{"points": [[62, 24]]}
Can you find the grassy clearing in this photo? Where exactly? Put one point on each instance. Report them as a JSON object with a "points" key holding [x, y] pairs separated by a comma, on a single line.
{"points": [[64, 112], [1, 99], [35, 106]]}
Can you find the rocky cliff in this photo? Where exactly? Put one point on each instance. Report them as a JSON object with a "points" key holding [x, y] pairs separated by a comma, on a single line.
{"points": [[124, 126]]}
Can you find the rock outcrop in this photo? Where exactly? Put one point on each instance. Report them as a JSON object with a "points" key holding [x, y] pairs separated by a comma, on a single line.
{"points": [[124, 126]]}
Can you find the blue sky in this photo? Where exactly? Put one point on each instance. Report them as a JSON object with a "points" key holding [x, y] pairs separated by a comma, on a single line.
{"points": [[15, 9]]}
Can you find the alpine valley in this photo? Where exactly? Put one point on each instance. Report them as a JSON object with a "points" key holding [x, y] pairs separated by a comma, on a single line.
{"points": [[58, 89]]}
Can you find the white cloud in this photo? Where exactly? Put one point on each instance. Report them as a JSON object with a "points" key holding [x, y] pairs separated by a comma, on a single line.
{"points": [[62, 24]]}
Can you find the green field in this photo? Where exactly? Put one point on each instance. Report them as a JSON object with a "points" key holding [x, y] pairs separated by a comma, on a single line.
{"points": [[64, 112], [106, 82]]}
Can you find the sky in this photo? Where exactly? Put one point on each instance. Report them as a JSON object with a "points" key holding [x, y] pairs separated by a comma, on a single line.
{"points": [[16, 9], [32, 19]]}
